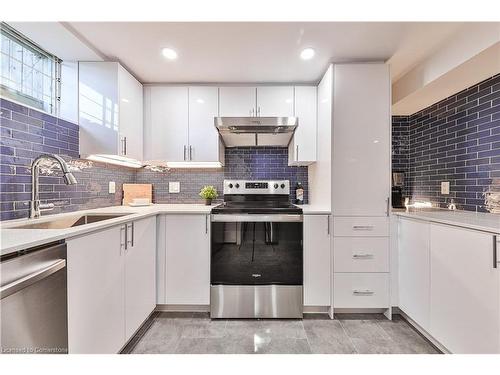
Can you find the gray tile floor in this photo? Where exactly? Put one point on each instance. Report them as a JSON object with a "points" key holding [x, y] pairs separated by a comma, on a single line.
{"points": [[190, 333]]}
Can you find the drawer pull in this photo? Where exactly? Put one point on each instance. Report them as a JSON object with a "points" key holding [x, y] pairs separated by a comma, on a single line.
{"points": [[362, 227], [362, 256], [363, 292]]}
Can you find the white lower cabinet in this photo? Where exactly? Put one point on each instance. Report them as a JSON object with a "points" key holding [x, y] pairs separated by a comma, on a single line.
{"points": [[317, 260], [414, 270], [140, 278], [187, 270], [361, 290], [111, 287], [465, 290]]}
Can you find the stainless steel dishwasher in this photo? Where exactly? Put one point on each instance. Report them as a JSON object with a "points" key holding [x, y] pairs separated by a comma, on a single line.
{"points": [[34, 313]]}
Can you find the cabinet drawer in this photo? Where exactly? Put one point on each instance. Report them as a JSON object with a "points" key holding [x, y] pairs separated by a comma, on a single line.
{"points": [[362, 226], [361, 290], [361, 254]]}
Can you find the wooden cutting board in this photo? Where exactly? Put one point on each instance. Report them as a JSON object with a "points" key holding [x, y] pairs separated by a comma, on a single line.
{"points": [[131, 191]]}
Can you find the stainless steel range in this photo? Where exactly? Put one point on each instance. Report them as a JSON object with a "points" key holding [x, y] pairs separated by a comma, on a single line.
{"points": [[256, 252]]}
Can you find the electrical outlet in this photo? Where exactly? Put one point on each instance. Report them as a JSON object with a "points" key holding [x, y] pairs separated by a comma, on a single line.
{"points": [[174, 187], [445, 187], [111, 187]]}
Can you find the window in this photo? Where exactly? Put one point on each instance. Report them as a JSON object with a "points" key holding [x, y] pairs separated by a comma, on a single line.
{"points": [[29, 74]]}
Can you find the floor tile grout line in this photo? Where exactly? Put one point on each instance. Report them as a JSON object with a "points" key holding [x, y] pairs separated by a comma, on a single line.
{"points": [[349, 337], [307, 337]]}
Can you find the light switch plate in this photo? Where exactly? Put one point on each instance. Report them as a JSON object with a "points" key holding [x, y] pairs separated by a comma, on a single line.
{"points": [[174, 187], [111, 187], [445, 187]]}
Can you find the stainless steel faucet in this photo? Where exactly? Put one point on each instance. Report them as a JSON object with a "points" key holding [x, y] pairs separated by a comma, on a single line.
{"points": [[69, 179]]}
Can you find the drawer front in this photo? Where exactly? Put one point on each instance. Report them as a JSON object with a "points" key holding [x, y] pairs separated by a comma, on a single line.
{"points": [[361, 290], [361, 254], [361, 226]]}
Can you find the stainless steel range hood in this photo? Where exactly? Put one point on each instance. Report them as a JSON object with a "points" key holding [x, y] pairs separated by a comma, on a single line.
{"points": [[256, 131]]}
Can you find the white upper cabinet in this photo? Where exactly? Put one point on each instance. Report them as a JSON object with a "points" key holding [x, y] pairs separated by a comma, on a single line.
{"points": [[237, 101], [274, 101], [110, 111], [302, 148], [131, 115], [166, 130], [361, 140], [414, 270], [203, 135], [465, 290]]}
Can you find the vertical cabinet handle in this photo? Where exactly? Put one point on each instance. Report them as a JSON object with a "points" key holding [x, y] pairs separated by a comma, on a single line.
{"points": [[206, 224], [130, 240], [495, 253], [133, 234], [258, 111], [328, 224], [190, 152], [297, 153], [124, 145], [387, 206], [123, 238], [185, 152]]}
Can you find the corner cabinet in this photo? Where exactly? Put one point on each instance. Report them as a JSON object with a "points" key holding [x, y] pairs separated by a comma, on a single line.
{"points": [[111, 286], [179, 124], [110, 111], [303, 146]]}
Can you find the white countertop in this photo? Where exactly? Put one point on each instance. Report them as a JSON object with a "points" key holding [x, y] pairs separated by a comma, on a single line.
{"points": [[12, 240], [466, 219], [314, 209]]}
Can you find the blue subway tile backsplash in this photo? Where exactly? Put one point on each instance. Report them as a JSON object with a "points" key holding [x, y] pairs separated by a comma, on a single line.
{"points": [[455, 140], [26, 133]]}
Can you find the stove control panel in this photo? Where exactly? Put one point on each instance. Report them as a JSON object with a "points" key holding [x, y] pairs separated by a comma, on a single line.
{"points": [[281, 187]]}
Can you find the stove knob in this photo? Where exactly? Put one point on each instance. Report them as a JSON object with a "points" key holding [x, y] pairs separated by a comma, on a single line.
{"points": [[237, 186], [275, 186], [282, 186], [230, 186]]}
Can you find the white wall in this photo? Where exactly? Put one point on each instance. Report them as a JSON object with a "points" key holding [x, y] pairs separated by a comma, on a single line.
{"points": [[69, 91], [320, 172]]}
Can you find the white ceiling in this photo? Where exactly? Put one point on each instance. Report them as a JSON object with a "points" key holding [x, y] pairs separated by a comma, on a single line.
{"points": [[259, 52]]}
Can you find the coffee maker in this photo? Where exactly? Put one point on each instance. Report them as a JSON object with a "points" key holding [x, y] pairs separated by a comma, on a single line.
{"points": [[398, 183]]}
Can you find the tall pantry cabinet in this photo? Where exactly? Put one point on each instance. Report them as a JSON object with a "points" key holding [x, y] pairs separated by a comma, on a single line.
{"points": [[361, 170]]}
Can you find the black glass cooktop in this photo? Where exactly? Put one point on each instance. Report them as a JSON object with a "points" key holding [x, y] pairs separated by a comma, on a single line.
{"points": [[257, 207]]}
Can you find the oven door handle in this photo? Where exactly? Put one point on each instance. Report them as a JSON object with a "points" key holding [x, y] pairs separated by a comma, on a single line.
{"points": [[256, 218]]}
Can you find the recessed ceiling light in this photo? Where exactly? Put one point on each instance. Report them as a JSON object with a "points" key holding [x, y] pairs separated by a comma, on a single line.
{"points": [[307, 54], [169, 53]]}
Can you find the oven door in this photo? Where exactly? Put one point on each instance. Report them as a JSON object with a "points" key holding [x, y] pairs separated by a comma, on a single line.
{"points": [[251, 249]]}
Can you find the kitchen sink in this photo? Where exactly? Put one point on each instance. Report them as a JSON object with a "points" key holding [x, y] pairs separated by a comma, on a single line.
{"points": [[68, 222]]}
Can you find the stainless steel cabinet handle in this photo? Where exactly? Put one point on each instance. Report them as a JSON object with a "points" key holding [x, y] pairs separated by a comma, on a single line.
{"points": [[365, 292], [252, 111], [297, 153], [495, 253], [362, 256], [362, 227], [133, 234], [122, 142], [185, 152], [130, 241], [328, 225], [124, 145], [258, 111], [190, 152], [387, 211], [123, 238], [206, 224], [32, 278]]}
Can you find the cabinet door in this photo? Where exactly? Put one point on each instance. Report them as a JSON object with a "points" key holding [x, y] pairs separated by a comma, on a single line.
{"points": [[140, 275], [96, 317], [361, 139], [275, 101], [317, 270], [98, 108], [131, 115], [166, 133], [203, 136], [237, 101], [465, 292], [187, 259], [414, 270], [302, 148]]}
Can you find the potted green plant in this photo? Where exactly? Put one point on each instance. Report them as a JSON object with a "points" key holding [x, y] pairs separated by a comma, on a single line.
{"points": [[208, 193]]}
